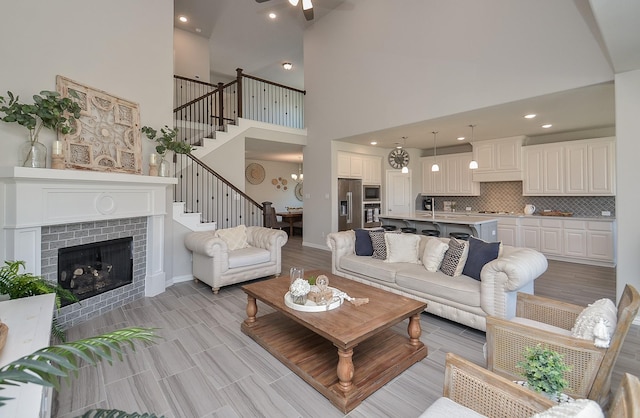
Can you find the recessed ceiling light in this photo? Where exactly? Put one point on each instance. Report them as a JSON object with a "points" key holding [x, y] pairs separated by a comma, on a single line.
{"points": [[530, 116], [373, 143], [461, 138], [183, 19], [273, 15], [287, 66], [547, 126]]}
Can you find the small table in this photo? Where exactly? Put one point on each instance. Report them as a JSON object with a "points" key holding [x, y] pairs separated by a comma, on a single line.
{"points": [[290, 217], [346, 353]]}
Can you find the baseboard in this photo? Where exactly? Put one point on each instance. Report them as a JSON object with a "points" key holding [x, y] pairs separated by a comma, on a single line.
{"points": [[636, 321], [180, 279], [312, 245]]}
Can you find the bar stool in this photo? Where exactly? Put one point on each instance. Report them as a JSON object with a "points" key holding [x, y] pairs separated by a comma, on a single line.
{"points": [[460, 235], [431, 232], [408, 230], [389, 227]]}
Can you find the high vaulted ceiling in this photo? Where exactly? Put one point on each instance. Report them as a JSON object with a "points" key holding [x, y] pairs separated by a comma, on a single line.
{"points": [[242, 35]]}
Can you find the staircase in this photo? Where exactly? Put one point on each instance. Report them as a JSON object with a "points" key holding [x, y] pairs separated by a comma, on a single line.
{"points": [[204, 200]]}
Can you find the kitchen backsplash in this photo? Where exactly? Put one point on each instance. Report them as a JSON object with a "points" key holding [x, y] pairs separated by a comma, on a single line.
{"points": [[507, 197]]}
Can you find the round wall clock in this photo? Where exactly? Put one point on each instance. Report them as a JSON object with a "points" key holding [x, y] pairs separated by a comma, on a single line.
{"points": [[398, 158]]}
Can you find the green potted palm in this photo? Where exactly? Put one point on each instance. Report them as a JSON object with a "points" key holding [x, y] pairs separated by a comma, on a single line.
{"points": [[16, 284], [49, 110], [544, 370], [167, 141]]}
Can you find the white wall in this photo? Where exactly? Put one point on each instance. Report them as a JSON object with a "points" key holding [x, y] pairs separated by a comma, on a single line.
{"points": [[628, 198], [430, 59], [190, 55], [266, 191], [121, 47], [228, 161]]}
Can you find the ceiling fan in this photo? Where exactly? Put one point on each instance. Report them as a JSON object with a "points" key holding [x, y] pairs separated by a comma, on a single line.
{"points": [[307, 7]]}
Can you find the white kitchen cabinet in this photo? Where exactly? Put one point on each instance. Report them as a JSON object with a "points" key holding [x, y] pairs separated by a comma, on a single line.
{"points": [[600, 241], [573, 168], [371, 170], [350, 165], [508, 230], [453, 179], [589, 167], [498, 159], [543, 170], [530, 233], [551, 236], [575, 238]]}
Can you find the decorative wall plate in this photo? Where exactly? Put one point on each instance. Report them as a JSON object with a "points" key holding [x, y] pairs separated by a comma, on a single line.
{"points": [[254, 173], [107, 136], [298, 191]]}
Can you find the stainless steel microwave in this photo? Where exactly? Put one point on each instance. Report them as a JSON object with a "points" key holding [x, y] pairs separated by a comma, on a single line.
{"points": [[370, 193]]}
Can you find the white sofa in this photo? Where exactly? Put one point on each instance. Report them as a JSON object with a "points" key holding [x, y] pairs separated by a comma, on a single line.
{"points": [[216, 266], [461, 299]]}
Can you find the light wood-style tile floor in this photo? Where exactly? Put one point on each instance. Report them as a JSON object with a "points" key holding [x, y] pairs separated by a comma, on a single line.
{"points": [[205, 367]]}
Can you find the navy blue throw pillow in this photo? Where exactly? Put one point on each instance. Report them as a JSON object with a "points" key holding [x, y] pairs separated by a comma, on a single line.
{"points": [[480, 253], [363, 242]]}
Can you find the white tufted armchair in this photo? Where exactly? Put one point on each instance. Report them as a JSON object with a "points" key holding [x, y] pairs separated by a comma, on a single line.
{"points": [[216, 266]]}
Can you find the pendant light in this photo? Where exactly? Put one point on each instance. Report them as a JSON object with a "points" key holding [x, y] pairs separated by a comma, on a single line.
{"points": [[473, 164], [405, 169], [435, 166]]}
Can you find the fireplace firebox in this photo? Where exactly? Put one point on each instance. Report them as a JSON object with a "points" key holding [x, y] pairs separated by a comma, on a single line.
{"points": [[91, 269]]}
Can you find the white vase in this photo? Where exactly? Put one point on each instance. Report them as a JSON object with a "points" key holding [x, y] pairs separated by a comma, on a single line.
{"points": [[32, 154]]}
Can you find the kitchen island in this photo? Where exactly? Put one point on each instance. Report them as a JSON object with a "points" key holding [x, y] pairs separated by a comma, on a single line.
{"points": [[478, 226]]}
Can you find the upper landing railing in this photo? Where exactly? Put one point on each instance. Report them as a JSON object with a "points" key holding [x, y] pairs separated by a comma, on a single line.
{"points": [[203, 108]]}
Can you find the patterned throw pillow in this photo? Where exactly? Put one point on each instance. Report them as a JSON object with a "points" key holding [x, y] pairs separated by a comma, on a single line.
{"points": [[235, 238], [379, 246], [455, 257]]}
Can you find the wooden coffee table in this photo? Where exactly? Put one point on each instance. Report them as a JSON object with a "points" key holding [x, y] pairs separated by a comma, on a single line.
{"points": [[369, 354]]}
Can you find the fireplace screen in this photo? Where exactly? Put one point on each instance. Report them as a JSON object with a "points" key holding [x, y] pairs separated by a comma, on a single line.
{"points": [[91, 269]]}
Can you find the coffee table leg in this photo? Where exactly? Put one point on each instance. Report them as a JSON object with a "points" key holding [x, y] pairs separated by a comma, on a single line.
{"points": [[414, 330], [345, 369], [252, 310]]}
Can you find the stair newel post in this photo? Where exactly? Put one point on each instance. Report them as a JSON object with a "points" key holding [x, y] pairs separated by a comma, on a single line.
{"points": [[239, 79]]}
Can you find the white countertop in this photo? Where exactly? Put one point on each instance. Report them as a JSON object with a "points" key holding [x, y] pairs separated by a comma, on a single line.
{"points": [[522, 215]]}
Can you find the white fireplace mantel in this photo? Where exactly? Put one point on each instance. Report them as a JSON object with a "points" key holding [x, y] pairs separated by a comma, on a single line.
{"points": [[34, 197]]}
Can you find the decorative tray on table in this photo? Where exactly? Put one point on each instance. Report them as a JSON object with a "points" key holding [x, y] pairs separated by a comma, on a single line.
{"points": [[311, 306]]}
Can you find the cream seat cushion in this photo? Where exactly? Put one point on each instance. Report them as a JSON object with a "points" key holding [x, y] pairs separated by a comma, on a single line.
{"points": [[446, 408], [248, 256]]}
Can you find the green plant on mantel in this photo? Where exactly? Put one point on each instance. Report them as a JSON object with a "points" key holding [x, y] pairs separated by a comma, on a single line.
{"points": [[21, 285], [49, 110], [544, 370], [48, 365], [167, 140]]}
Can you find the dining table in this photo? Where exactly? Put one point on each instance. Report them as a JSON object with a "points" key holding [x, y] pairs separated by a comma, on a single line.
{"points": [[290, 217]]}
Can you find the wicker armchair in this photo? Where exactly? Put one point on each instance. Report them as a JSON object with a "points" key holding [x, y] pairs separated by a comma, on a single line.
{"points": [[590, 376], [626, 403], [471, 386]]}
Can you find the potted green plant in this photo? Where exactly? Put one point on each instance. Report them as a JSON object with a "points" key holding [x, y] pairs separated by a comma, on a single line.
{"points": [[21, 285], [167, 141], [49, 110], [544, 370]]}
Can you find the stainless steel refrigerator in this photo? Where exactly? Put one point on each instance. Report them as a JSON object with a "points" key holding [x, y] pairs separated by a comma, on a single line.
{"points": [[349, 204]]}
